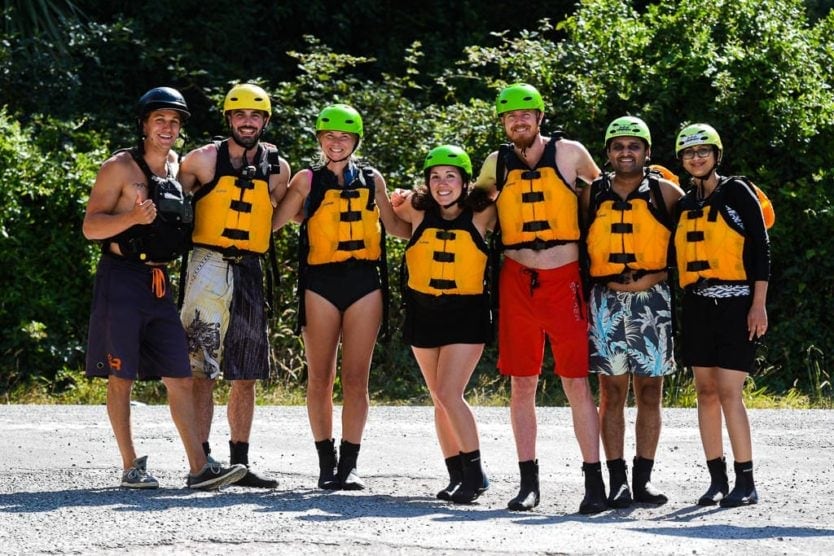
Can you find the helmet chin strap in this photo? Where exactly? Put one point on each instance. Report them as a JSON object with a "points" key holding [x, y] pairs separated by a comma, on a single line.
{"points": [[329, 160]]}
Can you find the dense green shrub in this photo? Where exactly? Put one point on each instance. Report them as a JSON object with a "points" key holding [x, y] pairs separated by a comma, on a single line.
{"points": [[46, 168], [757, 70]]}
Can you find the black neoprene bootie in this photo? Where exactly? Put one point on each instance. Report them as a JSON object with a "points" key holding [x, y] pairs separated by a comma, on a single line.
{"points": [[619, 496], [641, 483], [719, 483], [594, 500], [744, 492], [474, 481], [327, 465], [454, 465], [528, 496], [240, 454], [346, 474]]}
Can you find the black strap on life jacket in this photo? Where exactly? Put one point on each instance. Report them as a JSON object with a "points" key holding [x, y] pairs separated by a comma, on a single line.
{"points": [[314, 199]]}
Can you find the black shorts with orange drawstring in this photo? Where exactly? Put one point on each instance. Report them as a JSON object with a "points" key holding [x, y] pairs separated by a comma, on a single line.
{"points": [[135, 331]]}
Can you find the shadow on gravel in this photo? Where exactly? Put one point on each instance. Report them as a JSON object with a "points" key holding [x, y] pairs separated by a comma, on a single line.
{"points": [[317, 506], [734, 532], [123, 499]]}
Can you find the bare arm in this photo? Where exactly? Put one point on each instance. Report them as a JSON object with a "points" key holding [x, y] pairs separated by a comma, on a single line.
{"points": [[278, 183], [292, 203], [486, 178], [118, 200], [197, 168], [393, 224], [486, 219], [575, 163], [584, 205], [671, 194]]}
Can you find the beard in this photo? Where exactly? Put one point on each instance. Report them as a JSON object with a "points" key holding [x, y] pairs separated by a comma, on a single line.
{"points": [[524, 143], [246, 142], [523, 140]]}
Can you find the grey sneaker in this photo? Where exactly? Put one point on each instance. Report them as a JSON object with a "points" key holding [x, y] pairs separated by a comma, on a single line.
{"points": [[214, 476], [138, 476]]}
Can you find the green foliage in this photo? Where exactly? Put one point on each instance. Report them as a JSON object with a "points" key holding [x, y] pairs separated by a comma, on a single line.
{"points": [[46, 169], [760, 71]]}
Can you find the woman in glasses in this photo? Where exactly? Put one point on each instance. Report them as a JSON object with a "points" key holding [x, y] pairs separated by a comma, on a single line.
{"points": [[723, 260]]}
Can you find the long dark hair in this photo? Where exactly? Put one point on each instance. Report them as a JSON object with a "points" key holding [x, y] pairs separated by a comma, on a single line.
{"points": [[423, 200]]}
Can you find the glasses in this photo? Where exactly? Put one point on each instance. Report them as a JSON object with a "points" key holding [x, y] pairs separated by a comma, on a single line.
{"points": [[703, 152]]}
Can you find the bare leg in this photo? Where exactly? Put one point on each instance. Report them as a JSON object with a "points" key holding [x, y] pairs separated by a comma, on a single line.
{"points": [[585, 417], [613, 392], [452, 366], [709, 411], [648, 393], [183, 414], [118, 409], [456, 364], [241, 409], [730, 387], [427, 359], [360, 326], [321, 340], [523, 415], [203, 390]]}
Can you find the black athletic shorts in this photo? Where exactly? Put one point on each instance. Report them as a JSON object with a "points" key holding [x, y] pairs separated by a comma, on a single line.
{"points": [[134, 333], [434, 321], [714, 332]]}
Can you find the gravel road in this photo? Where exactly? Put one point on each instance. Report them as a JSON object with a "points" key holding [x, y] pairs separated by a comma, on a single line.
{"points": [[59, 468]]}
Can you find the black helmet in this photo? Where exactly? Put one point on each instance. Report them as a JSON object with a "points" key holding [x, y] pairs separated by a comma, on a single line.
{"points": [[160, 98]]}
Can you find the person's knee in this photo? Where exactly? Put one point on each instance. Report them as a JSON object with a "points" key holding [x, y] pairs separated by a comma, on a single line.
{"points": [[578, 390], [730, 397], [354, 384], [612, 394], [243, 386], [183, 384], [524, 387], [649, 394], [447, 396], [119, 386], [707, 393]]}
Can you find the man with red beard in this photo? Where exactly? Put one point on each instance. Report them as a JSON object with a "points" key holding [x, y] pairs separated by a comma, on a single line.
{"points": [[533, 180], [237, 183]]}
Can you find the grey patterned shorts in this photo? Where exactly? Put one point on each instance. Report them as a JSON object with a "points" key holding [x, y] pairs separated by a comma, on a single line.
{"points": [[631, 332], [224, 315]]}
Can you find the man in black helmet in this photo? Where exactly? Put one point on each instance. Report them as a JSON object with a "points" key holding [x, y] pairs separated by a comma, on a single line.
{"points": [[237, 183], [138, 212]]}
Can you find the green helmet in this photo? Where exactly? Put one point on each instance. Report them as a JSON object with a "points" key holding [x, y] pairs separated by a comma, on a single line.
{"points": [[449, 155], [519, 96], [340, 117], [698, 134], [628, 126]]}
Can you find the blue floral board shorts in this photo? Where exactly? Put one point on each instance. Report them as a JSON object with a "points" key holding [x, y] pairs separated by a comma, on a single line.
{"points": [[631, 332]]}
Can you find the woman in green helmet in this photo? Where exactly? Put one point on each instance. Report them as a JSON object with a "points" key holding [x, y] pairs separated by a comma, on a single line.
{"points": [[341, 282], [447, 317], [723, 259]]}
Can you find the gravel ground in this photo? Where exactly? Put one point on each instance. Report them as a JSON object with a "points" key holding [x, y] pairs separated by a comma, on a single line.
{"points": [[59, 468]]}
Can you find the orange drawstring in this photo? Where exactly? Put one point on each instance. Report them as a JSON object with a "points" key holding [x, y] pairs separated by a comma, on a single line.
{"points": [[158, 282]]}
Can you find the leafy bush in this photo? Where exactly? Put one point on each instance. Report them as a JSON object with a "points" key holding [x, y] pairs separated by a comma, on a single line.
{"points": [[46, 169], [758, 70]]}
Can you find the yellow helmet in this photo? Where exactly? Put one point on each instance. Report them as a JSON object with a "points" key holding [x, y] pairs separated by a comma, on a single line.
{"points": [[247, 97]]}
